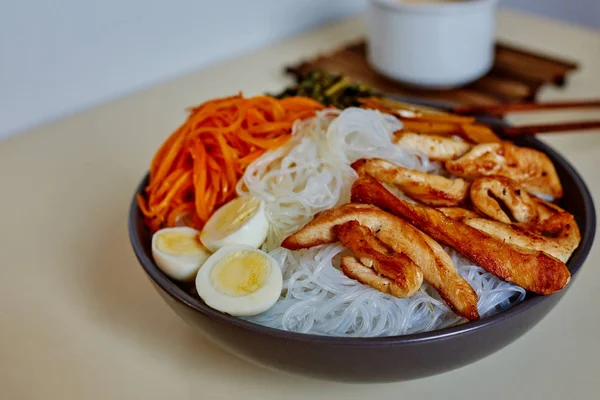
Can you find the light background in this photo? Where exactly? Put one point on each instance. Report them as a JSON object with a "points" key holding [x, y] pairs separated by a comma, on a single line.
{"points": [[59, 57]]}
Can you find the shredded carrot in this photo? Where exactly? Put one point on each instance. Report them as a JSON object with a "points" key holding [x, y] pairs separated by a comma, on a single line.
{"points": [[196, 169], [178, 212], [254, 117], [430, 121], [246, 160]]}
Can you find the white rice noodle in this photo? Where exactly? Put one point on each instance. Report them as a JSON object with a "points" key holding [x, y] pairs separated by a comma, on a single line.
{"points": [[312, 173], [319, 299]]}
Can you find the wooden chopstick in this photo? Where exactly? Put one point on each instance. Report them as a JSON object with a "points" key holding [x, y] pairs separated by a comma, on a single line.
{"points": [[546, 128], [502, 109]]}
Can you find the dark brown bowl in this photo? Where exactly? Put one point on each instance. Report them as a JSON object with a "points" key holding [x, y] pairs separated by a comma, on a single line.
{"points": [[381, 359]]}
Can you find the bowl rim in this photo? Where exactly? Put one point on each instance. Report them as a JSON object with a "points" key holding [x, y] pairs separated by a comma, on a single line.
{"points": [[181, 296]]}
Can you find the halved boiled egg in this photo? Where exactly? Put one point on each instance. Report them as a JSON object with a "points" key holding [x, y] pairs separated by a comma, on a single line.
{"points": [[241, 221], [240, 280], [178, 252]]}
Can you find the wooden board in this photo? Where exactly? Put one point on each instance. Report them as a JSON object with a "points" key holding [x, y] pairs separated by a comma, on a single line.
{"points": [[516, 76]]}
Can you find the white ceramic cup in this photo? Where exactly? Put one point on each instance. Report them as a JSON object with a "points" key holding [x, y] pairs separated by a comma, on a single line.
{"points": [[429, 44]]}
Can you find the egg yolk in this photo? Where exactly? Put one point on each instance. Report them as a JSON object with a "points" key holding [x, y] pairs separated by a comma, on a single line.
{"points": [[240, 273], [240, 210], [179, 243]]}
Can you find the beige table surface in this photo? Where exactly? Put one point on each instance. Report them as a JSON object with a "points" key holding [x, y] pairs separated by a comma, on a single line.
{"points": [[79, 320]]}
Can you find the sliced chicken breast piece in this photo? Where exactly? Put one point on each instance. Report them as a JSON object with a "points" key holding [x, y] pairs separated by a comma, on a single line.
{"points": [[502, 199], [398, 267], [437, 148], [530, 168], [430, 189]]}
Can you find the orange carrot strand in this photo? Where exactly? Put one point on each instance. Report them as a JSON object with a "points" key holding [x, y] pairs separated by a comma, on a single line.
{"points": [[196, 169]]}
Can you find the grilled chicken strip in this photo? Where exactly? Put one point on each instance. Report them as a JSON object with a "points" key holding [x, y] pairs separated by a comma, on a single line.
{"points": [[561, 245], [433, 190], [406, 276], [437, 266], [437, 148], [354, 269], [546, 209], [530, 269], [530, 168], [458, 213], [557, 234], [489, 195]]}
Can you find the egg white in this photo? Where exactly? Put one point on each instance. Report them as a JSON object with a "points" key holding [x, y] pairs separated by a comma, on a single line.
{"points": [[251, 232], [181, 267], [252, 304]]}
